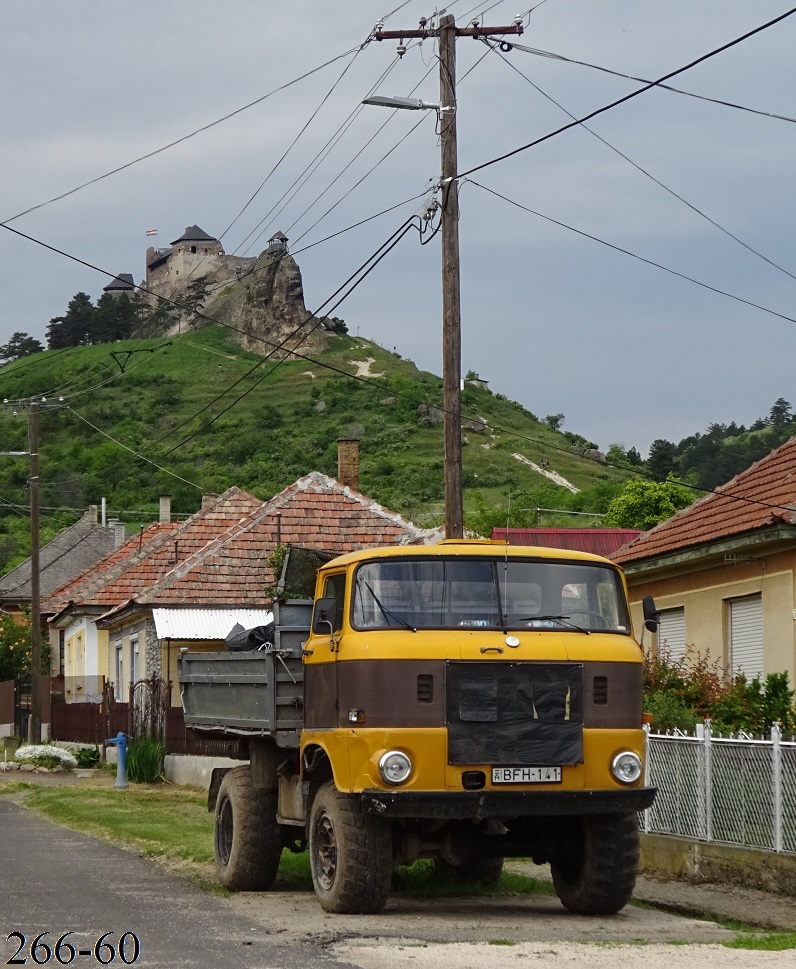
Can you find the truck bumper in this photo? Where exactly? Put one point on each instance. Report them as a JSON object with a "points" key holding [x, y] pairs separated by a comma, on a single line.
{"points": [[479, 805]]}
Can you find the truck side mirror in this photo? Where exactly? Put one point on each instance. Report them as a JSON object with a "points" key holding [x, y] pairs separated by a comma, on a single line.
{"points": [[650, 614], [324, 618]]}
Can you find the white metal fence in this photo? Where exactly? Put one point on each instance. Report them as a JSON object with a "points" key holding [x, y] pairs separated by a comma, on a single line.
{"points": [[733, 790]]}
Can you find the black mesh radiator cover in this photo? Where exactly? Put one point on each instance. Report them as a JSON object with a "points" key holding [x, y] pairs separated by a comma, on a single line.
{"points": [[514, 713]]}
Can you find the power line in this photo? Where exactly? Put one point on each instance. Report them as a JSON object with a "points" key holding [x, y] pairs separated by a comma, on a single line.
{"points": [[627, 97], [177, 141], [634, 255], [643, 80], [643, 171]]}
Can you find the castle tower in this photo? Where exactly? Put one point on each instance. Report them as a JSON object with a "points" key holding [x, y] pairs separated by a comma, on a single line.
{"points": [[277, 242]]}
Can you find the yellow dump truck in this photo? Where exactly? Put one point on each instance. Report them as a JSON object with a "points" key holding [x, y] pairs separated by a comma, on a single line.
{"points": [[467, 702]]}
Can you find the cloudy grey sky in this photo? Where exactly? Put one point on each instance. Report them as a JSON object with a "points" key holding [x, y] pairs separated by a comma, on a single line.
{"points": [[627, 351]]}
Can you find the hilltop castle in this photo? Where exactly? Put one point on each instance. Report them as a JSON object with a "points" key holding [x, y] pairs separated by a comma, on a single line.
{"points": [[194, 255]]}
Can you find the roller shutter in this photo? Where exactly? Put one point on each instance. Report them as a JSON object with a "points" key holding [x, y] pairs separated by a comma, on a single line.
{"points": [[671, 633], [746, 636]]}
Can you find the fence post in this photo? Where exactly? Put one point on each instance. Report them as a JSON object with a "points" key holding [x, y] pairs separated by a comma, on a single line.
{"points": [[647, 753], [776, 772], [705, 793]]}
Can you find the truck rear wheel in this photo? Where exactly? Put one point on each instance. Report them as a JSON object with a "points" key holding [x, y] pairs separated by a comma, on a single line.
{"points": [[596, 872], [350, 854], [248, 839]]}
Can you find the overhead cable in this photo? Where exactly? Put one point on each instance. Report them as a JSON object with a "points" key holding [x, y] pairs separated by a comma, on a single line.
{"points": [[627, 97]]}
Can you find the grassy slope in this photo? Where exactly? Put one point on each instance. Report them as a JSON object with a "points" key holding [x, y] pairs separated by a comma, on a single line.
{"points": [[286, 425]]}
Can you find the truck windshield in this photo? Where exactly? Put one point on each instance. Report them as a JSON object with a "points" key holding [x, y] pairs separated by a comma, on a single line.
{"points": [[448, 593]]}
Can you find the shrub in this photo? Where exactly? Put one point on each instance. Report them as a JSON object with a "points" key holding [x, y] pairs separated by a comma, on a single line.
{"points": [[86, 755], [680, 693], [145, 760]]}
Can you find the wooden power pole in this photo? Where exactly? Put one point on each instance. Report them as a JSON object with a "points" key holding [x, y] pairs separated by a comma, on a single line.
{"points": [[451, 289], [35, 587]]}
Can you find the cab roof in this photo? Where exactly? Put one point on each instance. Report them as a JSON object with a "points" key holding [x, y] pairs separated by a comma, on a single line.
{"points": [[457, 547]]}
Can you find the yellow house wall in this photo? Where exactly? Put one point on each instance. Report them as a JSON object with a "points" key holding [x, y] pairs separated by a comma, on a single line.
{"points": [[704, 595]]}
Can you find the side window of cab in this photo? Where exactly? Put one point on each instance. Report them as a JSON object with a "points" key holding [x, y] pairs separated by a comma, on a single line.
{"points": [[334, 588]]}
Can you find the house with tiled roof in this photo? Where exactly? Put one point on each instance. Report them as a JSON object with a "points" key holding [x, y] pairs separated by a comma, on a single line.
{"points": [[723, 571], [139, 563], [69, 554], [194, 604]]}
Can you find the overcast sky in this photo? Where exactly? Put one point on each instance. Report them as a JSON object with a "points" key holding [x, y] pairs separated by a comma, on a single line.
{"points": [[628, 352]]}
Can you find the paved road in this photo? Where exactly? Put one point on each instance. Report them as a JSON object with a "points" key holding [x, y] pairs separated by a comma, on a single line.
{"points": [[55, 880]]}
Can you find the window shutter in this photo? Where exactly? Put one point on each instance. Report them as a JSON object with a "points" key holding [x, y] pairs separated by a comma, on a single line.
{"points": [[746, 636], [671, 633]]}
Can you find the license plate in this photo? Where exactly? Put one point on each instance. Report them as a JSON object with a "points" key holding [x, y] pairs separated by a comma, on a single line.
{"points": [[526, 775]]}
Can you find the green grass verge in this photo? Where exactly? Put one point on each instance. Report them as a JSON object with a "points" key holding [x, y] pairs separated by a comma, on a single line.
{"points": [[764, 941], [173, 826]]}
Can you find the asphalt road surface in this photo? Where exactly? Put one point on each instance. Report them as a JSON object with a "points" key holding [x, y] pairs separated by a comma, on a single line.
{"points": [[58, 881]]}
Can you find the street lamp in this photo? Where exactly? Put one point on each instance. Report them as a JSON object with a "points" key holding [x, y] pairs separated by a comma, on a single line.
{"points": [[408, 104]]}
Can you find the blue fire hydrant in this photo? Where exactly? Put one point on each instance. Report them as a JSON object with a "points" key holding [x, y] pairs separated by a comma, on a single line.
{"points": [[120, 742]]}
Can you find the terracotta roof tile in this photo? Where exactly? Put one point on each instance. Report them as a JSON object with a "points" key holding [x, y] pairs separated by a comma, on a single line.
{"points": [[233, 567], [764, 494]]}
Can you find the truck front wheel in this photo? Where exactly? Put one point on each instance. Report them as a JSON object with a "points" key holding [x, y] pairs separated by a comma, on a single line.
{"points": [[594, 873], [248, 839], [350, 854]]}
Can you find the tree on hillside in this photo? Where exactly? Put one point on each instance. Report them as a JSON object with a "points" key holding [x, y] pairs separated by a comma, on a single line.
{"points": [[20, 345], [660, 462], [643, 503], [554, 421], [74, 328], [116, 317], [780, 413]]}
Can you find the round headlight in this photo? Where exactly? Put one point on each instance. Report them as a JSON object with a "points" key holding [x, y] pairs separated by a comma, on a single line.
{"points": [[395, 767], [626, 767]]}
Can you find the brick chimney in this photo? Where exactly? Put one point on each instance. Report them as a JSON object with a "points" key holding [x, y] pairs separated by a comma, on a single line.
{"points": [[207, 501], [348, 462], [165, 508]]}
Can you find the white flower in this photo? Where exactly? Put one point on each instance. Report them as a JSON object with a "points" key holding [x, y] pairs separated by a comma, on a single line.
{"points": [[30, 753]]}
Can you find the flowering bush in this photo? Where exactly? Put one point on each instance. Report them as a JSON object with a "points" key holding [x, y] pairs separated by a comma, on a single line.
{"points": [[45, 755], [680, 693]]}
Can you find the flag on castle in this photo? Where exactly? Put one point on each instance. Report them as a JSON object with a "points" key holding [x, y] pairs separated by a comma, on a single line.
{"points": [[151, 232]]}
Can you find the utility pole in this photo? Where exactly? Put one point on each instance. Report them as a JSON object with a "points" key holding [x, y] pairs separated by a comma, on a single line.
{"points": [[451, 290], [35, 589], [34, 721]]}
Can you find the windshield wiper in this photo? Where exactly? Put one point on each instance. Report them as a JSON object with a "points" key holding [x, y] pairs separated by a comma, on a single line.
{"points": [[561, 619], [386, 612]]}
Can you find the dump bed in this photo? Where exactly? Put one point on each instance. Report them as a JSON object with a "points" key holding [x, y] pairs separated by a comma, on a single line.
{"points": [[255, 693]]}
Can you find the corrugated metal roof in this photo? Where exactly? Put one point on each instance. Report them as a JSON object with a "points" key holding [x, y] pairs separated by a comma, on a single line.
{"points": [[206, 623], [598, 541]]}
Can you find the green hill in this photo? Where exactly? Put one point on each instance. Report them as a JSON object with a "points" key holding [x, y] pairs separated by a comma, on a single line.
{"points": [[213, 414]]}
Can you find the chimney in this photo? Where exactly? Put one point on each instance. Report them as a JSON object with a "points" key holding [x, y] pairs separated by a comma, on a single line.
{"points": [[165, 508], [207, 501], [120, 535], [348, 462], [91, 514]]}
